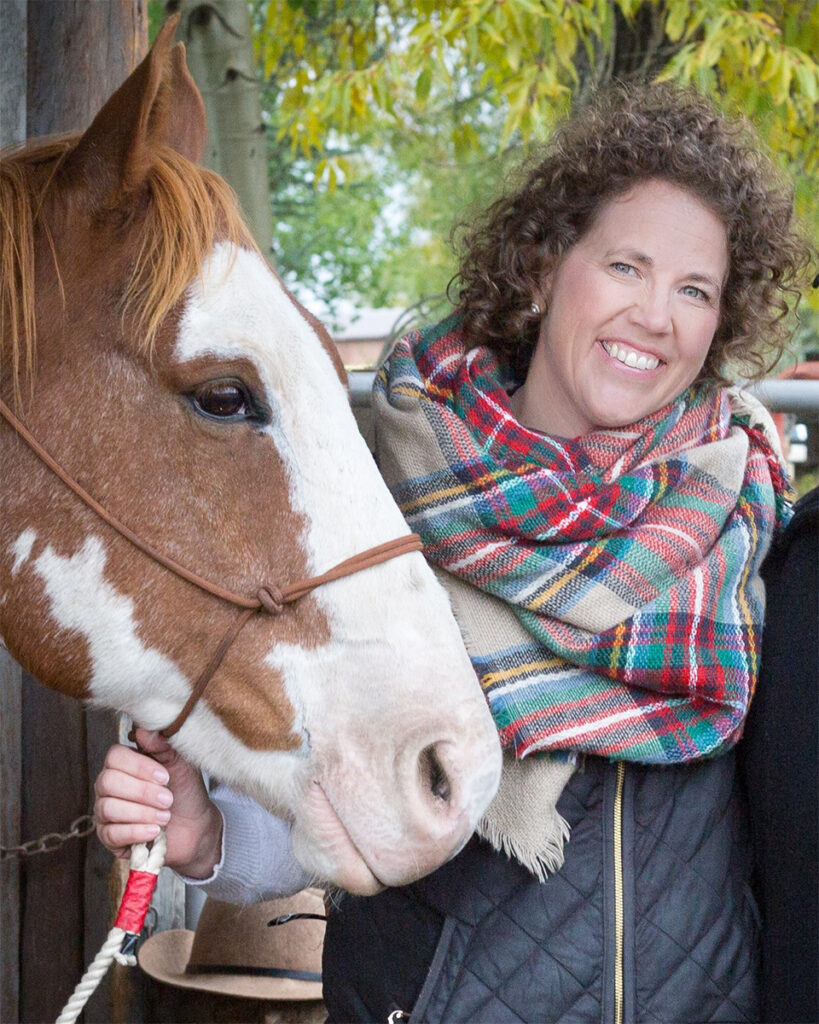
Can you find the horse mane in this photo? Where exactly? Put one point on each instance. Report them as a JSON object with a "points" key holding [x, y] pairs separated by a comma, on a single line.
{"points": [[190, 208]]}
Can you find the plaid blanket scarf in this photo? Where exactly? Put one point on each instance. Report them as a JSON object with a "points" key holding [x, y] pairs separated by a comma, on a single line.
{"points": [[607, 587]]}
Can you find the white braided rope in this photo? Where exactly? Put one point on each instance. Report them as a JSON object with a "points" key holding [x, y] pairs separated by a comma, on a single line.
{"points": [[92, 977], [142, 859]]}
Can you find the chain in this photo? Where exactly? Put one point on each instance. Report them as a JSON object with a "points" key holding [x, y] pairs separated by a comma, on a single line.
{"points": [[51, 841]]}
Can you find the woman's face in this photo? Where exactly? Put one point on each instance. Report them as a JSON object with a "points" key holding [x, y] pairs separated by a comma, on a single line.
{"points": [[631, 312]]}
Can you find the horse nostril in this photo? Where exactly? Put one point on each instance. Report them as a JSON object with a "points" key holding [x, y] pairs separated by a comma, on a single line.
{"points": [[434, 775]]}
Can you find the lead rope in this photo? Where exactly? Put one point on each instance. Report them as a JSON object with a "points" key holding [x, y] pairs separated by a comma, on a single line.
{"points": [[145, 865]]}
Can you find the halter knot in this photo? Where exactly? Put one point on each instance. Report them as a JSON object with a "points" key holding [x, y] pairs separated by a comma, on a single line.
{"points": [[271, 599]]}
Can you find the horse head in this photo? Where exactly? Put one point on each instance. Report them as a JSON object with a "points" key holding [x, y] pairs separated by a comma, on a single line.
{"points": [[149, 347]]}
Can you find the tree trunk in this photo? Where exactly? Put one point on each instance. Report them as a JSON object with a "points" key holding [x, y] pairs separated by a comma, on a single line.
{"points": [[219, 46]]}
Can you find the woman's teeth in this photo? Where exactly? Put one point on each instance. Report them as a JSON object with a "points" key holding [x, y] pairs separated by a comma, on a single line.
{"points": [[630, 358]]}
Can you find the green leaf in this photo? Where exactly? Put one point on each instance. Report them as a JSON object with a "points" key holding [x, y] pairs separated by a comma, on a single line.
{"points": [[781, 84], [675, 22], [423, 84], [513, 52], [808, 80]]}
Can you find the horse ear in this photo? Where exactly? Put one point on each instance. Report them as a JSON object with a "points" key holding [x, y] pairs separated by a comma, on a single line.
{"points": [[158, 104], [187, 128]]}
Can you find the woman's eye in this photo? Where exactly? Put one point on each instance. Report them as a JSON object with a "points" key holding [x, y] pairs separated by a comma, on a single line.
{"points": [[222, 400], [622, 268], [693, 292]]}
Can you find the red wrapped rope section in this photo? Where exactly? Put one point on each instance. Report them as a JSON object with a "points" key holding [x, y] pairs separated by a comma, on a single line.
{"points": [[135, 901]]}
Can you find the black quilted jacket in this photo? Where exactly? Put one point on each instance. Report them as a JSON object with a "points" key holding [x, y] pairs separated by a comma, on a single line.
{"points": [[650, 919]]}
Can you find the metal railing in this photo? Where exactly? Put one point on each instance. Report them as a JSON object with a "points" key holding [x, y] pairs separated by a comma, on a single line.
{"points": [[796, 396]]}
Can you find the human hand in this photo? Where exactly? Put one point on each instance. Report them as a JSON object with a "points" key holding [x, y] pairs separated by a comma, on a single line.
{"points": [[136, 794]]}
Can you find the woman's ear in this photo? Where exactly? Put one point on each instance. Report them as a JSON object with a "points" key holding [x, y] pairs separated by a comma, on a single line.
{"points": [[543, 293], [545, 264]]}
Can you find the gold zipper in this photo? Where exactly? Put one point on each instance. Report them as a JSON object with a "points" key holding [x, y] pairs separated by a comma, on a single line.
{"points": [[618, 893]]}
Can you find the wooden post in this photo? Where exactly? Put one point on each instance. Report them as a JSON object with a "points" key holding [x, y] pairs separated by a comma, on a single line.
{"points": [[78, 53], [12, 71], [12, 129], [54, 793], [10, 760]]}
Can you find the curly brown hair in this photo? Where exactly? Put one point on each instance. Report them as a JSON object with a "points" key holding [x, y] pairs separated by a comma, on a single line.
{"points": [[624, 136]]}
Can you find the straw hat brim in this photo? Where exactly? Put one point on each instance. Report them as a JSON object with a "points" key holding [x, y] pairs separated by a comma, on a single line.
{"points": [[165, 956]]}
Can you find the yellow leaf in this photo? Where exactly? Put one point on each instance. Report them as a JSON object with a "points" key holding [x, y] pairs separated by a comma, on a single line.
{"points": [[675, 22], [357, 99], [781, 85], [808, 81], [757, 54], [770, 67], [422, 30], [513, 48], [452, 22], [765, 19], [565, 43]]}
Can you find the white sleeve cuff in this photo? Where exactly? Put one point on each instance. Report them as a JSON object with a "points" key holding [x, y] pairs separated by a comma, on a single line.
{"points": [[257, 861]]}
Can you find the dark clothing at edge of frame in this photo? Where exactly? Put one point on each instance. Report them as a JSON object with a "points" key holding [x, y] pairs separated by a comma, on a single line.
{"points": [[482, 940], [780, 758]]}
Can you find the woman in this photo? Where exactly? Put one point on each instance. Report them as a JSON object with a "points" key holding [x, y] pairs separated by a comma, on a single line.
{"points": [[600, 503]]}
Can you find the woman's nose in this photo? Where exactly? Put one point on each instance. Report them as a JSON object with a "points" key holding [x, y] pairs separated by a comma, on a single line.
{"points": [[652, 310]]}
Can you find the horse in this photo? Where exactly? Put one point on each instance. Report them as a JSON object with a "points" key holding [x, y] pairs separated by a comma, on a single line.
{"points": [[185, 486]]}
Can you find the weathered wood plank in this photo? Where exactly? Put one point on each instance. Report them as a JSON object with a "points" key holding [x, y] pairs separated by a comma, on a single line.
{"points": [[12, 71], [13, 46], [10, 769], [55, 792], [101, 731], [78, 53]]}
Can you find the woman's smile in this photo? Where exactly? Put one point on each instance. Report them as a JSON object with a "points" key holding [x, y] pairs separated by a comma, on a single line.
{"points": [[630, 356]]}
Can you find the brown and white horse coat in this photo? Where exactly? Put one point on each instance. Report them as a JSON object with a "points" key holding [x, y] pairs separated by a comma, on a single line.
{"points": [[179, 383]]}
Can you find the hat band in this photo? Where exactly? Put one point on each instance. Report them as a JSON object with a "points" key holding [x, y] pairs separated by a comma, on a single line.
{"points": [[254, 972]]}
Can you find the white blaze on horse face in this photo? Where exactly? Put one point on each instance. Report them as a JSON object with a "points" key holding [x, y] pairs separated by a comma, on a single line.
{"points": [[394, 680], [82, 601], [153, 688]]}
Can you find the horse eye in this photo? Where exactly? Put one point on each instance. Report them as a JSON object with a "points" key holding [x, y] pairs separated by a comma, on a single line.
{"points": [[224, 400]]}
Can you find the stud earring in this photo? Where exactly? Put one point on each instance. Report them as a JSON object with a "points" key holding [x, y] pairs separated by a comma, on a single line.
{"points": [[535, 309]]}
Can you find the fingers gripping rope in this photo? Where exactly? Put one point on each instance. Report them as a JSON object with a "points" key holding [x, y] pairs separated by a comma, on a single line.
{"points": [[145, 866]]}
